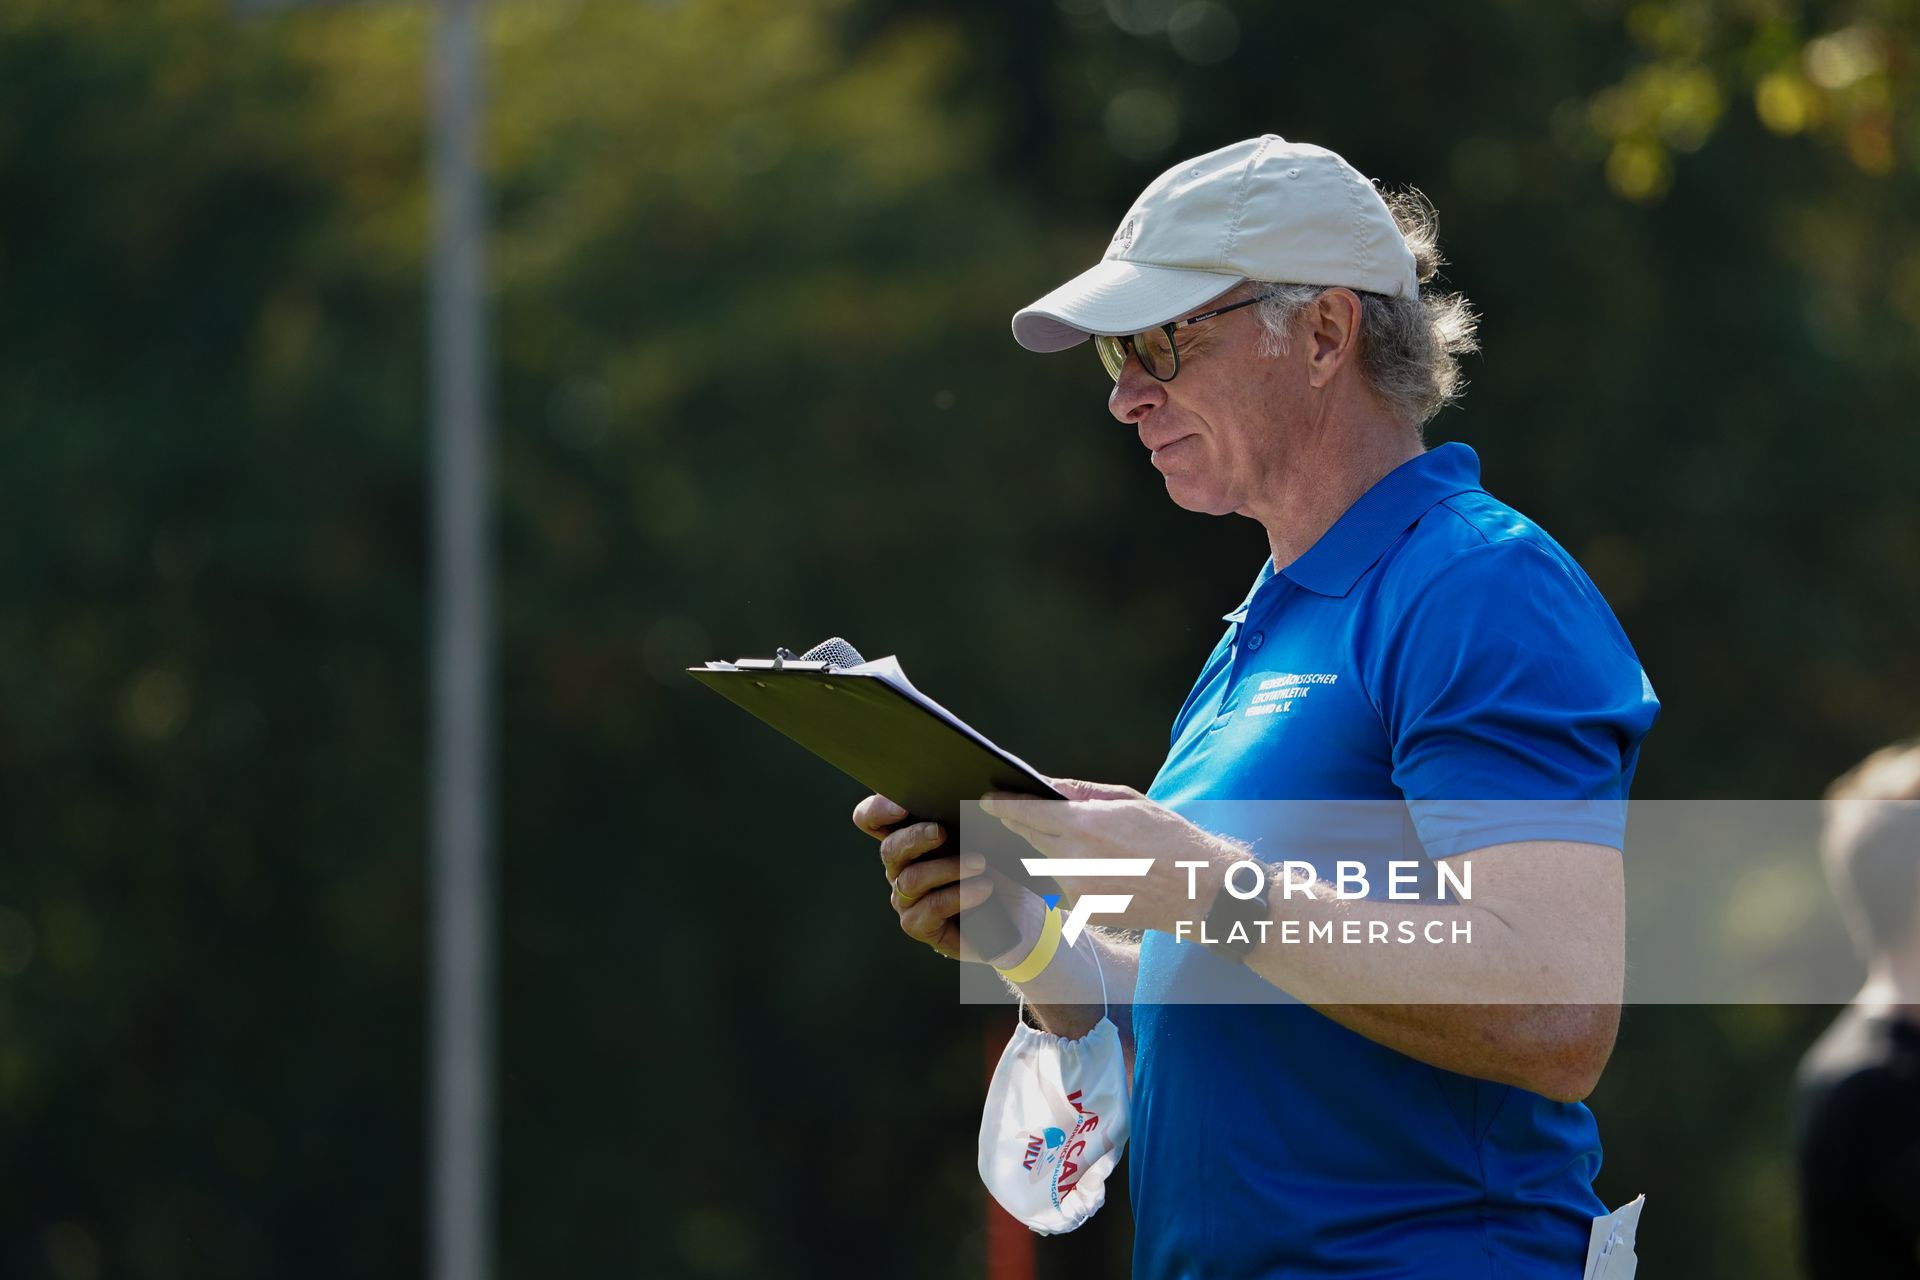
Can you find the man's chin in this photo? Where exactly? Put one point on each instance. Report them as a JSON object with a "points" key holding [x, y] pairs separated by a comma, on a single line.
{"points": [[1189, 496]]}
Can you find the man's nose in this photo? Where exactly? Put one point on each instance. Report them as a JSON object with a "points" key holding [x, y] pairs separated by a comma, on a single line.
{"points": [[1136, 394]]}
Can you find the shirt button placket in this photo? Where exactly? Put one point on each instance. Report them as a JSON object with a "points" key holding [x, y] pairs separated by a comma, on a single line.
{"points": [[1248, 643]]}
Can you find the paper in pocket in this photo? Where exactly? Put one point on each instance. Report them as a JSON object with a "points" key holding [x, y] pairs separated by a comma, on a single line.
{"points": [[1610, 1253]]}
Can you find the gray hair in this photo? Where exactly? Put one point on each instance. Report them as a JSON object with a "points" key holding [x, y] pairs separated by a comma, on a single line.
{"points": [[1410, 348]]}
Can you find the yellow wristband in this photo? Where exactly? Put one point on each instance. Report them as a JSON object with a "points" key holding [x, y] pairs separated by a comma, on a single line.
{"points": [[1042, 954]]}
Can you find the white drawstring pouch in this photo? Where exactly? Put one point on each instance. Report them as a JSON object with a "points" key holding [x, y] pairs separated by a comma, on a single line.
{"points": [[1055, 1124]]}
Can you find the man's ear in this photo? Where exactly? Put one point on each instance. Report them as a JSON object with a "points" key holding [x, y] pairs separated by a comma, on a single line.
{"points": [[1333, 334]]}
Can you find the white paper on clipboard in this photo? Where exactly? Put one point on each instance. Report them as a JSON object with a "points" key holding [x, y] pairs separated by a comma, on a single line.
{"points": [[1610, 1254]]}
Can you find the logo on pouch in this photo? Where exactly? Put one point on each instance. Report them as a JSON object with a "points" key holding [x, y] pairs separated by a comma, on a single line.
{"points": [[1058, 1155], [1049, 1140]]}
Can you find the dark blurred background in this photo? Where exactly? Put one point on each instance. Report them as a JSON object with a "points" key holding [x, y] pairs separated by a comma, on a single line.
{"points": [[751, 267]]}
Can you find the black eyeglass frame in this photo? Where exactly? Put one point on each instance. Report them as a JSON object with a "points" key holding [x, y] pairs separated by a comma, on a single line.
{"points": [[1113, 348]]}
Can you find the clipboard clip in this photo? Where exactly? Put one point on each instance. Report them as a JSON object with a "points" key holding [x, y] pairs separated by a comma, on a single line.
{"points": [[822, 657]]}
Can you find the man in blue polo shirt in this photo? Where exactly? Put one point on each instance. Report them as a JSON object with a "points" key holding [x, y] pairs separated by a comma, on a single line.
{"points": [[1414, 654]]}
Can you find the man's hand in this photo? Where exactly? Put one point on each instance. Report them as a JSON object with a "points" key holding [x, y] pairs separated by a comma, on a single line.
{"points": [[929, 893], [1068, 997], [1102, 820]]}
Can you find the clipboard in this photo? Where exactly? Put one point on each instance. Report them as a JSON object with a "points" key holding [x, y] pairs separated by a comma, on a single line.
{"points": [[873, 726], [868, 721]]}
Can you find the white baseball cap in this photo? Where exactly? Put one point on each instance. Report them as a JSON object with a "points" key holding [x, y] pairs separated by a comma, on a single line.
{"points": [[1264, 209]]}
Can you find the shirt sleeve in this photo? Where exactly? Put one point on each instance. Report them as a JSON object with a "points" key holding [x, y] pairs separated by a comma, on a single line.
{"points": [[1513, 702]]}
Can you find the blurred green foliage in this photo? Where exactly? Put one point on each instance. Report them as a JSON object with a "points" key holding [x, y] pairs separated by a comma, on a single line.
{"points": [[752, 269]]}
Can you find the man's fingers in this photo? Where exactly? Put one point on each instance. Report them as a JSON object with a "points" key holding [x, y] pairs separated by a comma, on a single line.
{"points": [[925, 918], [1030, 812], [1042, 841], [971, 892], [917, 879], [903, 846], [1077, 789], [876, 814]]}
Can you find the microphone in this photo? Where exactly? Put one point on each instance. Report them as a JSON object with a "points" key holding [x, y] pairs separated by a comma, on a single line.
{"points": [[988, 928]]}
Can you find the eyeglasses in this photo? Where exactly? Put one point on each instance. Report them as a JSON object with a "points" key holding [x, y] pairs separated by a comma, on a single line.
{"points": [[1156, 349]]}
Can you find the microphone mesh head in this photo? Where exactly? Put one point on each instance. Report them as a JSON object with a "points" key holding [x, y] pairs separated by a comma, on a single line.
{"points": [[835, 651]]}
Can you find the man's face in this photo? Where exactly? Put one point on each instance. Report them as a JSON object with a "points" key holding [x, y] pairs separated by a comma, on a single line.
{"points": [[1219, 430]]}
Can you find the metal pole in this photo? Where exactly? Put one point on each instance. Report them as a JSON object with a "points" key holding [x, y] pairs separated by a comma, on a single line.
{"points": [[461, 746]]}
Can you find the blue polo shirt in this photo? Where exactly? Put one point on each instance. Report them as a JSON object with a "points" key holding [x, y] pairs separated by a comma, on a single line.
{"points": [[1434, 647]]}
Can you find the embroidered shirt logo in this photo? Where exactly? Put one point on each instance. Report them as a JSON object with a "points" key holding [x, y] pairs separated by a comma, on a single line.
{"points": [[1278, 694]]}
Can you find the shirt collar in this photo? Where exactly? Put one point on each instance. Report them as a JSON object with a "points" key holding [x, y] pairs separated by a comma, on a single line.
{"points": [[1366, 529]]}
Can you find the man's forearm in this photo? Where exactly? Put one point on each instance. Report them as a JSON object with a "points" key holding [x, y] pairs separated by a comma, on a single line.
{"points": [[1065, 997], [1502, 1006], [1557, 1051]]}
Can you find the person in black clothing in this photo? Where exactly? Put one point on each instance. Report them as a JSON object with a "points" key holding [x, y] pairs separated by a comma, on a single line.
{"points": [[1857, 1122]]}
